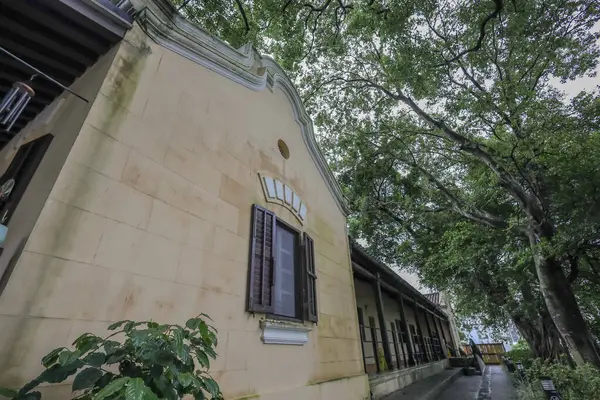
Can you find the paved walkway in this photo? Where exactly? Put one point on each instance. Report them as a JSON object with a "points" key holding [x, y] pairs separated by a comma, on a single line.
{"points": [[495, 384], [502, 386], [425, 388]]}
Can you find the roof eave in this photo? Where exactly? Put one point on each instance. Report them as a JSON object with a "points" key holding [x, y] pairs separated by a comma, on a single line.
{"points": [[398, 282]]}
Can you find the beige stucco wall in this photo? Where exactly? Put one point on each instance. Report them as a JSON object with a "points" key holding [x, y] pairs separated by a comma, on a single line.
{"points": [[453, 328], [150, 219], [64, 124], [30, 323]]}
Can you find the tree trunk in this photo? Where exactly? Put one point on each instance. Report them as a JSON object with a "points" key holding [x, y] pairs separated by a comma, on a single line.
{"points": [[563, 309], [541, 335]]}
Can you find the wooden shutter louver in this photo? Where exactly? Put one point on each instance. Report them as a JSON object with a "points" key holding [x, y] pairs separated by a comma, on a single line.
{"points": [[262, 261], [310, 279]]}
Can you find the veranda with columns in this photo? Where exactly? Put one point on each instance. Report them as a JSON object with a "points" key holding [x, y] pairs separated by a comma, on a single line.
{"points": [[400, 328]]}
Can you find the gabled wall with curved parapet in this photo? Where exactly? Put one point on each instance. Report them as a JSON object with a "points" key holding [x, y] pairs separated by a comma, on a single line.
{"points": [[162, 23]]}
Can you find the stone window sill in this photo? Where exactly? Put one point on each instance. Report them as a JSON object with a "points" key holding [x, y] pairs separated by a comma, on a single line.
{"points": [[284, 332]]}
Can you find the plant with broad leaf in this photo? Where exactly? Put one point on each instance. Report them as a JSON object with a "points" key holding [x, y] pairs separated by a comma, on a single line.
{"points": [[154, 361]]}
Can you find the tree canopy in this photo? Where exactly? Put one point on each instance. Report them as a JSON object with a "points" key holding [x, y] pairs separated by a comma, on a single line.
{"points": [[459, 156]]}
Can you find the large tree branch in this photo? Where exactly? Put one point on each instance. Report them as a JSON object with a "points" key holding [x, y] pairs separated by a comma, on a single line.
{"points": [[574, 263], [521, 172], [185, 3], [530, 203], [399, 220], [474, 215], [482, 27], [314, 8], [484, 95], [286, 5], [243, 13]]}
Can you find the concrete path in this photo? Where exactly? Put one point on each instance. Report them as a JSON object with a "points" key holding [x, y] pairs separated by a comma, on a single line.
{"points": [[502, 387], [428, 388], [495, 384]]}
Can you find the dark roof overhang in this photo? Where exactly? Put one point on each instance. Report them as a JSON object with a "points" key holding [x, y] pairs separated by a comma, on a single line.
{"points": [[62, 38], [368, 268]]}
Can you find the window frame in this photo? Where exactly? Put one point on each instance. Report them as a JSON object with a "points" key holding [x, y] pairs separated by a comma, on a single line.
{"points": [[298, 264], [305, 270]]}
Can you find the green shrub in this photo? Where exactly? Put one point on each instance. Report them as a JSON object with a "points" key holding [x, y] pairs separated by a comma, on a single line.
{"points": [[521, 352], [154, 361], [530, 391], [580, 383]]}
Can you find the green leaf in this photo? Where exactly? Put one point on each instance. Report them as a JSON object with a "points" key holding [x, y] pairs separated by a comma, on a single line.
{"points": [[105, 380], [31, 396], [212, 387], [138, 338], [86, 378], [86, 342], [116, 325], [8, 392], [205, 316], [199, 395], [203, 358], [137, 390], [95, 359], [58, 373], [152, 325], [203, 328], [178, 346], [129, 326], [150, 395], [51, 357], [118, 356], [185, 379], [193, 323], [112, 388], [166, 389], [156, 370], [27, 387], [67, 357], [211, 353], [128, 368], [110, 346], [164, 358]]}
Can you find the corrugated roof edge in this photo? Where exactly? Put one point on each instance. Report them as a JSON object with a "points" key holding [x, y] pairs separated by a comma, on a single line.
{"points": [[399, 283], [434, 297]]}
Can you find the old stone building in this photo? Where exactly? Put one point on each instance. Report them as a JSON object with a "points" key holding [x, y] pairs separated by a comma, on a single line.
{"points": [[177, 176], [188, 159]]}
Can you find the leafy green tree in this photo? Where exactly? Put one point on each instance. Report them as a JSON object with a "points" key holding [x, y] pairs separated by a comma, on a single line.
{"points": [[454, 100], [153, 361]]}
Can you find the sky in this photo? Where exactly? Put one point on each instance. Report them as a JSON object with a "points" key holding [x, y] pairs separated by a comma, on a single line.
{"points": [[573, 88]]}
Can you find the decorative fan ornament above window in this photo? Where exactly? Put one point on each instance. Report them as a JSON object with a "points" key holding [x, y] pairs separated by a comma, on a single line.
{"points": [[280, 193]]}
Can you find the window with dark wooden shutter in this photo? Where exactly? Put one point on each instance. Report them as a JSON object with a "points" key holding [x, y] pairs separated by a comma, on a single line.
{"points": [[310, 279], [262, 261]]}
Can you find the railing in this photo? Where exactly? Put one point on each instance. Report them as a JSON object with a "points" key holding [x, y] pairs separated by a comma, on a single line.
{"points": [[426, 349], [491, 352]]}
